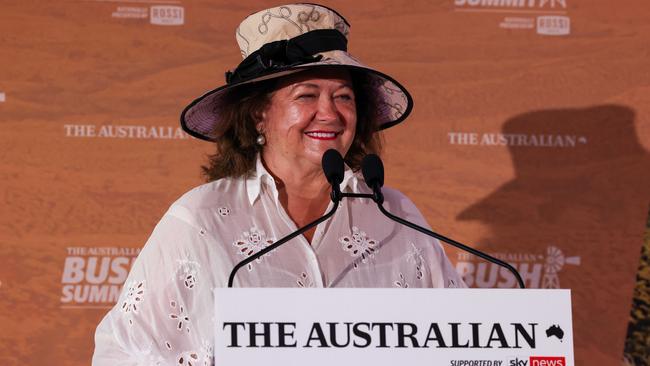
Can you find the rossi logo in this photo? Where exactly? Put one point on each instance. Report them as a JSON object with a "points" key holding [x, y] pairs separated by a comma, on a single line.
{"points": [[547, 361], [94, 276], [167, 15], [553, 25], [537, 270]]}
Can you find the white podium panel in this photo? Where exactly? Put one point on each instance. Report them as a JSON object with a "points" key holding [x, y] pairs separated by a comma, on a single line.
{"points": [[382, 327]]}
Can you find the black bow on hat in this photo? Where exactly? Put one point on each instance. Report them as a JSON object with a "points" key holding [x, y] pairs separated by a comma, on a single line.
{"points": [[278, 55]]}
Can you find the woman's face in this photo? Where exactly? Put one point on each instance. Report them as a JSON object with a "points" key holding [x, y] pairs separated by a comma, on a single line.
{"points": [[309, 113]]}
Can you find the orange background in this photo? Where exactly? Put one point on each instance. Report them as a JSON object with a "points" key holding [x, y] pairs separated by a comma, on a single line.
{"points": [[74, 63]]}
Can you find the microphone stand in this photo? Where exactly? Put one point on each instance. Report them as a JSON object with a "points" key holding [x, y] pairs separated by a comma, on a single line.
{"points": [[378, 197], [253, 257], [336, 198]]}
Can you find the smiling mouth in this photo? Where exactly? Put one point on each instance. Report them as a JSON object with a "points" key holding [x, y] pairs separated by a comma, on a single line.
{"points": [[322, 135]]}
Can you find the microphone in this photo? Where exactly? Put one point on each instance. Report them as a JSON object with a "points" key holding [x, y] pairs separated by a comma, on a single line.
{"points": [[332, 163], [373, 173]]}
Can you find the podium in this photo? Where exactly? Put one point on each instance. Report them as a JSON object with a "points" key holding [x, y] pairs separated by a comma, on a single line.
{"points": [[381, 327]]}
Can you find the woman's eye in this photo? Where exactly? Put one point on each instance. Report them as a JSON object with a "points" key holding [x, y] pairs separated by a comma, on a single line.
{"points": [[306, 96], [344, 97]]}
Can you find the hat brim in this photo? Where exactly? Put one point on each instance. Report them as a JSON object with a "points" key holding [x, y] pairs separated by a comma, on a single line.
{"points": [[394, 103]]}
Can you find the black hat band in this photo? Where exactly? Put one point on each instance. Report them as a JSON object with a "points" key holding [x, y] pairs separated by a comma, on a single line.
{"points": [[278, 55]]}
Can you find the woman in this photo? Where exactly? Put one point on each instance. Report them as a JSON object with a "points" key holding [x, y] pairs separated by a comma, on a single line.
{"points": [[297, 94]]}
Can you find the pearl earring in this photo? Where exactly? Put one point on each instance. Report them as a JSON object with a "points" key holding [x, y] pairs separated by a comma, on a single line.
{"points": [[261, 140]]}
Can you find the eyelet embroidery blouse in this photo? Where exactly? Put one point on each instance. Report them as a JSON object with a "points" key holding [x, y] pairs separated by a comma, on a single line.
{"points": [[164, 313]]}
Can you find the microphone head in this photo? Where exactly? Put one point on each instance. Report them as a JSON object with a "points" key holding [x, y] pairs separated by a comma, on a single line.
{"points": [[373, 171], [333, 166]]}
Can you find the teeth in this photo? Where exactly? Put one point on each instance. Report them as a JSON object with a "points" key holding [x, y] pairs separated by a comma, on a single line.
{"points": [[322, 134]]}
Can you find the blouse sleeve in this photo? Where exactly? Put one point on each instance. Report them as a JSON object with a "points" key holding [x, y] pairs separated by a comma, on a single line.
{"points": [[163, 313]]}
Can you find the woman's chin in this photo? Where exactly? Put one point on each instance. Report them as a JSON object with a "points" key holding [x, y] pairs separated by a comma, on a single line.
{"points": [[320, 146], [315, 156], [317, 153]]}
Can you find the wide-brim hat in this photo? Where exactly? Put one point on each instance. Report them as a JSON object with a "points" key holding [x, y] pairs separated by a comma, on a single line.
{"points": [[288, 39]]}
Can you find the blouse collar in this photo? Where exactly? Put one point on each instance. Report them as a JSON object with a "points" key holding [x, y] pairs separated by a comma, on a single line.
{"points": [[262, 177]]}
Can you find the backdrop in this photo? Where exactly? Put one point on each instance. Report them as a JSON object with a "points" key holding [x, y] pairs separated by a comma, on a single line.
{"points": [[529, 139]]}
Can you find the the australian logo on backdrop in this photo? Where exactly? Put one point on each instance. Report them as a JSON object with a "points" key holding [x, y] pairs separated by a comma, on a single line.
{"points": [[538, 270], [110, 131], [516, 139], [546, 17], [94, 276]]}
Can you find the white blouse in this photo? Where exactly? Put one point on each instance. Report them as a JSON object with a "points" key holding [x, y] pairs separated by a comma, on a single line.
{"points": [[164, 314]]}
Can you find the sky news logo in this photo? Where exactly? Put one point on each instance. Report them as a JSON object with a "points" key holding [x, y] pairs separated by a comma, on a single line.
{"points": [[93, 276], [547, 361], [537, 361]]}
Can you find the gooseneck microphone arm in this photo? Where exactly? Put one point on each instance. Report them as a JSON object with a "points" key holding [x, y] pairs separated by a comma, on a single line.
{"points": [[453, 242], [255, 256], [301, 230], [373, 173], [333, 168]]}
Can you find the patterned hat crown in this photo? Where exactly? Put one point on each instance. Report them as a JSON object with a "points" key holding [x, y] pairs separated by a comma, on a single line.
{"points": [[286, 22]]}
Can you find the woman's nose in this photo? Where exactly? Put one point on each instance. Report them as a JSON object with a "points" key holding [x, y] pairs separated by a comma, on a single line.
{"points": [[327, 110]]}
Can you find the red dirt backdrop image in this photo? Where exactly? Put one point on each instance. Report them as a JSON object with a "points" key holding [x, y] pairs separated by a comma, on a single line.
{"points": [[529, 139]]}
